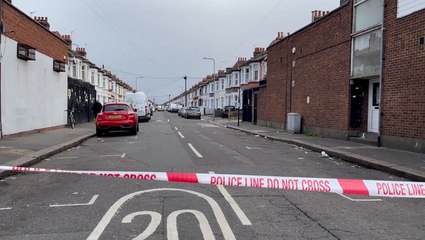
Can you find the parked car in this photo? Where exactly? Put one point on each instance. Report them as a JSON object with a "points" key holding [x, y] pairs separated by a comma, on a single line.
{"points": [[182, 111], [226, 111], [117, 116], [192, 112]]}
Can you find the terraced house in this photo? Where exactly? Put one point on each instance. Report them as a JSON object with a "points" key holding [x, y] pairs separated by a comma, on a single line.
{"points": [[355, 73]]}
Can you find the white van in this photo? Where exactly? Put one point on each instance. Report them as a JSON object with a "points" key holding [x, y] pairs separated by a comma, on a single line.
{"points": [[140, 102]]}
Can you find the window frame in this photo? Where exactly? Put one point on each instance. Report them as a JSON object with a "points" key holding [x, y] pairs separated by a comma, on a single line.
{"points": [[25, 52], [58, 66]]}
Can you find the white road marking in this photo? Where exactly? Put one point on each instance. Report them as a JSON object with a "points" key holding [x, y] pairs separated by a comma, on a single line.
{"points": [[153, 225], [114, 209], [7, 208], [110, 156], [207, 125], [176, 128], [253, 148], [91, 202], [168, 120], [123, 155], [194, 150], [172, 233], [130, 142], [181, 135], [359, 200], [241, 215], [5, 147], [67, 157]]}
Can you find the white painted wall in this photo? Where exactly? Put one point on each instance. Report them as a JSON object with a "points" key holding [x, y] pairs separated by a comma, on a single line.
{"points": [[33, 95]]}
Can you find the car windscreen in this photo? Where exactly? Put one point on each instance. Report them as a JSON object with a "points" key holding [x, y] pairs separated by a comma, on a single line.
{"points": [[193, 109], [115, 108]]}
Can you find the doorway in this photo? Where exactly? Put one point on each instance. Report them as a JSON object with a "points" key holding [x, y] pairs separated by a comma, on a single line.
{"points": [[374, 106]]}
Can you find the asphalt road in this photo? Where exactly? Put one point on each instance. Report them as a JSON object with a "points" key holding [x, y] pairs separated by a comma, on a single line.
{"points": [[65, 206]]}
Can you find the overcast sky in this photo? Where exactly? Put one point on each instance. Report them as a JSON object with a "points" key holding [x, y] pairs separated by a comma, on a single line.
{"points": [[164, 40]]}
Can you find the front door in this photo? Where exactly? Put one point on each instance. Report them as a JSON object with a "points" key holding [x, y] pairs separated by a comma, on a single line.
{"points": [[374, 102]]}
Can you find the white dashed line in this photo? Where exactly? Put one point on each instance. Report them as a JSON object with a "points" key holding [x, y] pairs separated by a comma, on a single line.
{"points": [[168, 120], [241, 215], [7, 208], [176, 128], [194, 150], [181, 135], [123, 155], [110, 156], [91, 202]]}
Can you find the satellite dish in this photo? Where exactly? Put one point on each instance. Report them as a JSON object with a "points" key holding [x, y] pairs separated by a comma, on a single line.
{"points": [[294, 50]]}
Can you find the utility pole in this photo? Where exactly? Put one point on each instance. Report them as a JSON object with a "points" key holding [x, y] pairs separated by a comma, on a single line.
{"points": [[185, 93]]}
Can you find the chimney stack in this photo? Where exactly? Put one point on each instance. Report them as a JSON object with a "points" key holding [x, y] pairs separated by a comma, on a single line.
{"points": [[258, 51], [43, 21], [81, 51], [67, 39], [317, 14]]}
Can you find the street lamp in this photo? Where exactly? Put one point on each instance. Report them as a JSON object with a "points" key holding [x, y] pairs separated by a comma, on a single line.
{"points": [[212, 59], [136, 81]]}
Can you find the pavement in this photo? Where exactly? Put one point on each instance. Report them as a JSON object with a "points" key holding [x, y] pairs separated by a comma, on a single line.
{"points": [[404, 164], [30, 149]]}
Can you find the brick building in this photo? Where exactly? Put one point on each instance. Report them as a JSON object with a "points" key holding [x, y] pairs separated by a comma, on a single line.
{"points": [[403, 88], [33, 73], [355, 73]]}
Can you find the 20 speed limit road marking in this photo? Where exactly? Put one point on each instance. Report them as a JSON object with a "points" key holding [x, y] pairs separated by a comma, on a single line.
{"points": [[344, 186]]}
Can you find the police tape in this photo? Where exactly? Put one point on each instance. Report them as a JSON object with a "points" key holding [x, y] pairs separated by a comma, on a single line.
{"points": [[379, 188]]}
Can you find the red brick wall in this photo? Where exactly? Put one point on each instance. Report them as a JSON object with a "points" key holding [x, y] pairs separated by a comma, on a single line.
{"points": [[403, 88], [322, 72], [272, 101], [27, 31]]}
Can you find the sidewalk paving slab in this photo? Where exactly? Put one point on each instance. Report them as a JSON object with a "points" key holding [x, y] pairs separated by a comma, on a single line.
{"points": [[404, 164], [29, 149]]}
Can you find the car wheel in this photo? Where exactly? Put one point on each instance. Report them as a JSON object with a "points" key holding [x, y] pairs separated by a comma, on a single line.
{"points": [[137, 124], [133, 130]]}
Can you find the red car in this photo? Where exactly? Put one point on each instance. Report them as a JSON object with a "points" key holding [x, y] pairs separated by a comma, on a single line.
{"points": [[117, 116]]}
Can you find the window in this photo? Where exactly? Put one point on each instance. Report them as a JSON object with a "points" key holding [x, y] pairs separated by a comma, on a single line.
{"points": [[255, 72], [58, 66], [83, 72], [367, 14], [92, 77], [222, 84], [25, 52], [247, 75], [74, 70], [406, 7], [366, 54]]}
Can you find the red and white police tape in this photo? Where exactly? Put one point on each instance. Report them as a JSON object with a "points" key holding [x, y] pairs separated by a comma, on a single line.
{"points": [[344, 186]]}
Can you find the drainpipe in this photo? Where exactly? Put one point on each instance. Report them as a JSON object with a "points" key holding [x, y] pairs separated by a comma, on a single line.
{"points": [[381, 77], [1, 33]]}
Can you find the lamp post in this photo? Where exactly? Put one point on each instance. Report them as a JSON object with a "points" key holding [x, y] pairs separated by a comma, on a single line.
{"points": [[136, 81], [212, 59], [185, 94]]}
